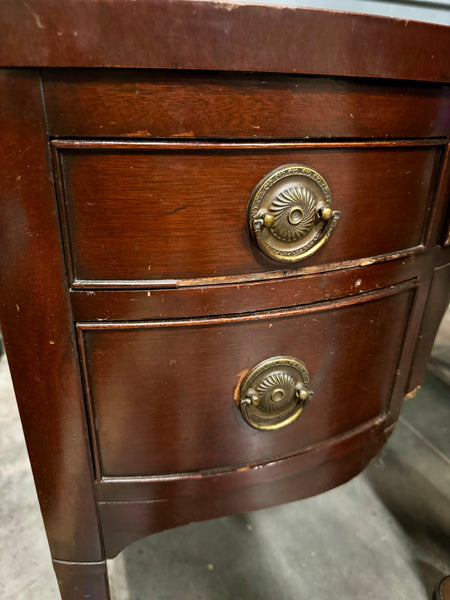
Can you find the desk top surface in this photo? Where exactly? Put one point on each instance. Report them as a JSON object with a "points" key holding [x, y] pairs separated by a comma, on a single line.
{"points": [[220, 36]]}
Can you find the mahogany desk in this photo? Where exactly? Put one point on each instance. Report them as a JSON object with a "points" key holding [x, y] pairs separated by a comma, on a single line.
{"points": [[224, 254]]}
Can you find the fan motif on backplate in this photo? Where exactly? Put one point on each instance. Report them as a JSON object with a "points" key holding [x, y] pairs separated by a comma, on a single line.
{"points": [[275, 391], [294, 210]]}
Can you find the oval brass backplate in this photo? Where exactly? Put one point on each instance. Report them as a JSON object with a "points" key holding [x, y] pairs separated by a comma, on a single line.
{"points": [[290, 215], [274, 393]]}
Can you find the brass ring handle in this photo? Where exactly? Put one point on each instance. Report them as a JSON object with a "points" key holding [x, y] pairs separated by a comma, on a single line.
{"points": [[290, 214], [274, 393]]}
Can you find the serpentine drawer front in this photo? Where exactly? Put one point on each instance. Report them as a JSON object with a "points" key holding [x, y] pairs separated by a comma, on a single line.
{"points": [[177, 212], [148, 382], [222, 261]]}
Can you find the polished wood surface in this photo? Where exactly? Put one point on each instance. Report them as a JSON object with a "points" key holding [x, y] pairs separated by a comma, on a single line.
{"points": [[169, 104], [158, 381], [220, 36], [292, 479], [37, 327], [80, 581], [276, 290], [178, 211], [126, 376], [437, 302]]}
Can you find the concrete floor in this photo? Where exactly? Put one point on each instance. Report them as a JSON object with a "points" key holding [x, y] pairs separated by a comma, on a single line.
{"points": [[384, 535]]}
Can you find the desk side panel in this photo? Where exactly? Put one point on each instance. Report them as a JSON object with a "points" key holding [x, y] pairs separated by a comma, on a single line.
{"points": [[37, 327]]}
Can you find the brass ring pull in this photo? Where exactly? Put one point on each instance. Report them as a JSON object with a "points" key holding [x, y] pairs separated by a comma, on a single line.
{"points": [[290, 215], [274, 393]]}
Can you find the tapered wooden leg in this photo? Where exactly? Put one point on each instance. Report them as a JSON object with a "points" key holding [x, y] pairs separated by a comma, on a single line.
{"points": [[81, 581]]}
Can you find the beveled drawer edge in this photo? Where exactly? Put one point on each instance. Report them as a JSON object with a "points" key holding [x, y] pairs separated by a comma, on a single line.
{"points": [[130, 144]]}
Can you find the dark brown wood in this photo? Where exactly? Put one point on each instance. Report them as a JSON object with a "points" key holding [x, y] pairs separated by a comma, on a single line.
{"points": [[437, 302], [440, 214], [37, 327], [219, 36], [149, 211], [147, 489], [146, 384], [125, 522], [107, 172], [155, 104], [231, 298], [78, 581]]}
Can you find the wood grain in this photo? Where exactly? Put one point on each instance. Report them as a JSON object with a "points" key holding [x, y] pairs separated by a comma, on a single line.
{"points": [[154, 163], [146, 385], [219, 36], [164, 104], [215, 481], [145, 212], [37, 325], [313, 473], [235, 298]]}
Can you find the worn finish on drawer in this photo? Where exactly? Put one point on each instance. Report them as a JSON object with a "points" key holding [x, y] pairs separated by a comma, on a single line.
{"points": [[168, 212], [155, 104], [149, 383]]}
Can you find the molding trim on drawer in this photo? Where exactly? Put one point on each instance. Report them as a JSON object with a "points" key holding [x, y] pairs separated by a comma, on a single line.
{"points": [[177, 210], [169, 503], [256, 316], [149, 489], [93, 144], [253, 296], [141, 365]]}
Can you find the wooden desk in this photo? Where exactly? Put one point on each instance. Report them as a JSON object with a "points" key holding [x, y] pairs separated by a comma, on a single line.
{"points": [[224, 254]]}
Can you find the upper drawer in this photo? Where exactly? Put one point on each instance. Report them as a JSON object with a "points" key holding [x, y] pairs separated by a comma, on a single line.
{"points": [[176, 213]]}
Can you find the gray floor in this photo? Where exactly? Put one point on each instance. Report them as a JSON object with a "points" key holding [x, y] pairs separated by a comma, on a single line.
{"points": [[383, 536]]}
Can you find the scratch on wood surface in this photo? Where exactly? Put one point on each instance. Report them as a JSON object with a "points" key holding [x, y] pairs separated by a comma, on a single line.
{"points": [[36, 17], [140, 133], [175, 210], [184, 134], [277, 274]]}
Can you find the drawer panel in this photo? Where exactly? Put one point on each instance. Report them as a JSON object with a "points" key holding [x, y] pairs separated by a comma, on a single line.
{"points": [[148, 383], [146, 103], [177, 213]]}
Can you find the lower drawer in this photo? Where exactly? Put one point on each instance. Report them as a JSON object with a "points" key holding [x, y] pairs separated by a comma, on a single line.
{"points": [[163, 394]]}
